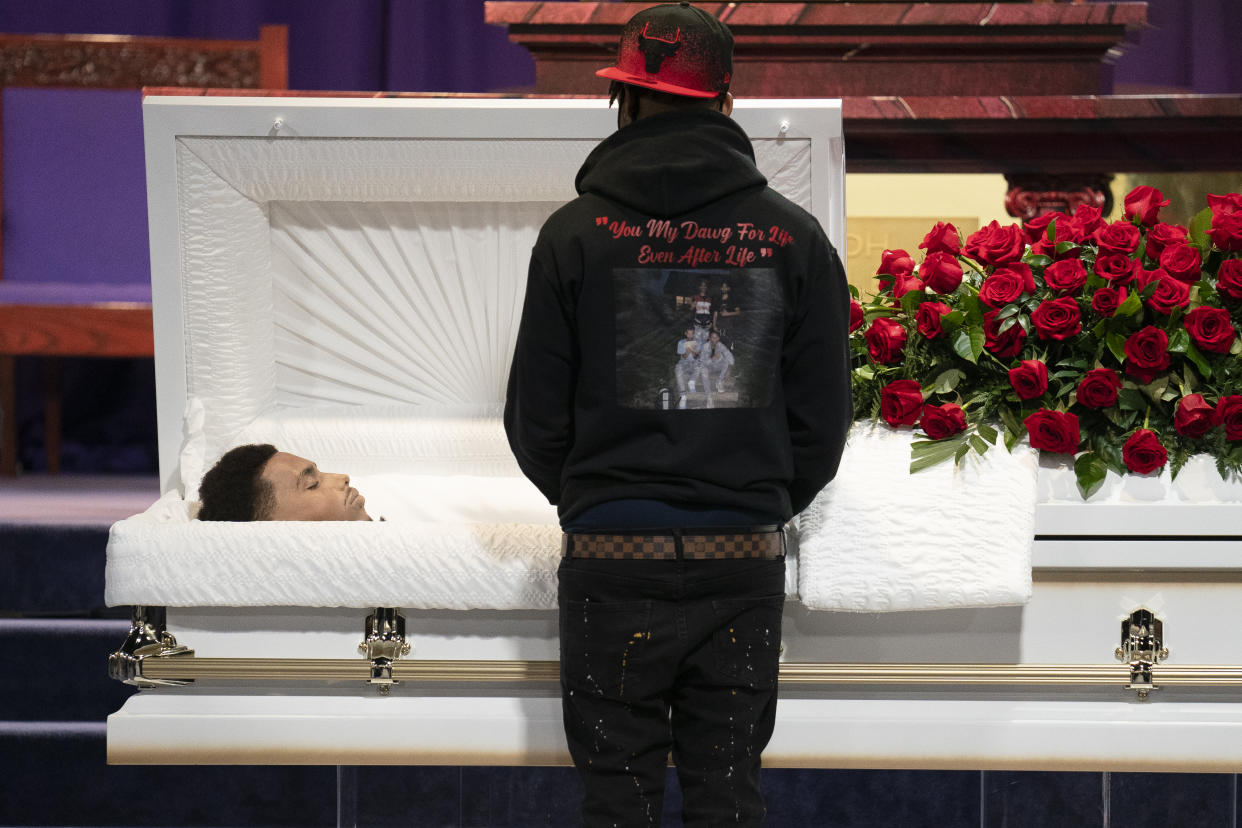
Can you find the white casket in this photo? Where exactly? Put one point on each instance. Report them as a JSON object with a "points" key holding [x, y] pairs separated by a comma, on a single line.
{"points": [[343, 278]]}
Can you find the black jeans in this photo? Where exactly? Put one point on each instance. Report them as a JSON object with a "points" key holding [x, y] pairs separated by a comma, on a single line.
{"points": [[660, 656]]}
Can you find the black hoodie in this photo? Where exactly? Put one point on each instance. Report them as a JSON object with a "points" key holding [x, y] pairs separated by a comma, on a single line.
{"points": [[596, 411]]}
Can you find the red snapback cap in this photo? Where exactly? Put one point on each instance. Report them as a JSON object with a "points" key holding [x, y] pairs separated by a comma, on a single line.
{"points": [[675, 48]]}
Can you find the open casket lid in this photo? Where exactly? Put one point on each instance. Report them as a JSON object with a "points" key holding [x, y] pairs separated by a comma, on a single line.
{"points": [[311, 256]]}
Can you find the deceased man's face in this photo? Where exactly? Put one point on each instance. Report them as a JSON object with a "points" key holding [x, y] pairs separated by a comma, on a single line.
{"points": [[303, 492]]}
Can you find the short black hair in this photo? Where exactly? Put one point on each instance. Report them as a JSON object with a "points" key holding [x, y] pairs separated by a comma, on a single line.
{"points": [[637, 93], [234, 488]]}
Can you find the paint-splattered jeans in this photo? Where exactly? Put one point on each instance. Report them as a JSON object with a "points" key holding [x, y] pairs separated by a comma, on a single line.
{"points": [[670, 656]]}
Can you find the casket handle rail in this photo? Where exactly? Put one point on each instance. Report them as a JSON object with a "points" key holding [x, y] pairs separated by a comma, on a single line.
{"points": [[151, 657], [1142, 647], [148, 638], [383, 643]]}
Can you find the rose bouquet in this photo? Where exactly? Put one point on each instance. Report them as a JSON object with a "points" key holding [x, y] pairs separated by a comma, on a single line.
{"points": [[1115, 342]]}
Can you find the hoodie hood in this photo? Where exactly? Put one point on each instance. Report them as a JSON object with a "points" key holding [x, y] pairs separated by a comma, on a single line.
{"points": [[672, 163]]}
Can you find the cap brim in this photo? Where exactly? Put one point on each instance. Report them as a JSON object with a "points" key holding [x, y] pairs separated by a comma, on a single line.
{"points": [[613, 73]]}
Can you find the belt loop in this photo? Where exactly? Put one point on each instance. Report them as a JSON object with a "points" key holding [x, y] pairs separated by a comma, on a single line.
{"points": [[678, 548]]}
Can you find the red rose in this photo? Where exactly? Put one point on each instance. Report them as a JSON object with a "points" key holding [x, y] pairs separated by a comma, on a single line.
{"points": [[1229, 414], [928, 318], [1163, 235], [1118, 237], [1117, 268], [1182, 262], [1143, 453], [1106, 300], [900, 402], [1057, 319], [1036, 230], [1098, 388], [856, 315], [1029, 379], [1225, 205], [1004, 345], [1054, 431], [1226, 232], [1066, 276], [1193, 417], [905, 284], [886, 338], [1085, 222], [940, 421], [1229, 280], [895, 263], [1210, 329], [1006, 284], [1147, 353], [1143, 203], [941, 272], [943, 238], [1144, 277], [1169, 294], [996, 245]]}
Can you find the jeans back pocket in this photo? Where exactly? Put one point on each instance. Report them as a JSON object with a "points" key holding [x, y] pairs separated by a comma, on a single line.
{"points": [[747, 641], [602, 646]]}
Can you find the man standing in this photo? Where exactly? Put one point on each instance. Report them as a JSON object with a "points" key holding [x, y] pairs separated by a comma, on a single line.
{"points": [[673, 576]]}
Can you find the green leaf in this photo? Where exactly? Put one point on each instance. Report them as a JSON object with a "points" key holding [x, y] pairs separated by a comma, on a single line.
{"points": [[911, 300], [1065, 246], [1131, 399], [1036, 260], [1091, 472], [1178, 341], [1156, 388], [968, 343], [947, 381], [1117, 344], [927, 453], [1013, 425], [1131, 306], [974, 310], [1110, 454], [1199, 226], [961, 452], [1196, 356], [978, 443], [952, 320], [987, 432]]}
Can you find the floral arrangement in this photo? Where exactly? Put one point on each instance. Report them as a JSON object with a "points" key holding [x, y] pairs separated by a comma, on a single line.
{"points": [[1115, 342]]}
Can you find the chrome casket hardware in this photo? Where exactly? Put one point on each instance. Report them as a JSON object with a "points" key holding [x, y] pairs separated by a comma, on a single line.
{"points": [[1142, 645], [383, 643], [147, 637]]}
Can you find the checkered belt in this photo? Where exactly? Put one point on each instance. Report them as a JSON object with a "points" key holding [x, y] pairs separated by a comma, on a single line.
{"points": [[689, 544]]}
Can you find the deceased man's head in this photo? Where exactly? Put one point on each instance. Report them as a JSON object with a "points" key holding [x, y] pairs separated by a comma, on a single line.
{"points": [[257, 482]]}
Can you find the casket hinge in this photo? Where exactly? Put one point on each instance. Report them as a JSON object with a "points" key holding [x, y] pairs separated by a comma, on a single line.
{"points": [[383, 643], [147, 638], [1142, 645]]}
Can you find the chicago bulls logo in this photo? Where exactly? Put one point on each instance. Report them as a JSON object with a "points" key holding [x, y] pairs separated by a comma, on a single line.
{"points": [[656, 49]]}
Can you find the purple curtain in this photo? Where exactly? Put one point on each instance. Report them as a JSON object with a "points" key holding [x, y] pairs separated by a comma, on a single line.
{"points": [[1188, 46]]}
